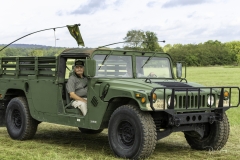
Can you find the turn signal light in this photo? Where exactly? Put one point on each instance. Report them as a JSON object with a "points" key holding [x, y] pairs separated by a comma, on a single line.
{"points": [[143, 99], [154, 97], [226, 95]]}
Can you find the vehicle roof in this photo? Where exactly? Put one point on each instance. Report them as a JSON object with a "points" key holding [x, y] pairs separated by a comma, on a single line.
{"points": [[79, 50], [89, 51]]}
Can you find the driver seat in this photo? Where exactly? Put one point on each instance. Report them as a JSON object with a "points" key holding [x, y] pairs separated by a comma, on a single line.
{"points": [[69, 108]]}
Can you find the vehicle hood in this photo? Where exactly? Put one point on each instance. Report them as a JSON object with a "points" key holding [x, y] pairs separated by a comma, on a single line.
{"points": [[146, 85]]}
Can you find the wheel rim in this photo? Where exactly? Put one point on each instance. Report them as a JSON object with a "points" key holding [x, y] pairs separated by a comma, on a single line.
{"points": [[16, 118], [126, 134]]}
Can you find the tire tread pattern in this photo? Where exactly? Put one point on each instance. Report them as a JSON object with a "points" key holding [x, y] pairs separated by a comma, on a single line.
{"points": [[217, 138], [30, 126], [149, 135]]}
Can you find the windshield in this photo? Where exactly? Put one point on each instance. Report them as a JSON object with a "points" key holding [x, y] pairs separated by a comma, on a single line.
{"points": [[113, 66], [155, 67]]}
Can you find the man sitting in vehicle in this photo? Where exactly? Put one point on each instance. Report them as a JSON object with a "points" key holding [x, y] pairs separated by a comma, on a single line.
{"points": [[77, 87]]}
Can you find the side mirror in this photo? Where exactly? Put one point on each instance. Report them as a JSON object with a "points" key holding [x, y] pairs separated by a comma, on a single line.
{"points": [[90, 68], [179, 70]]}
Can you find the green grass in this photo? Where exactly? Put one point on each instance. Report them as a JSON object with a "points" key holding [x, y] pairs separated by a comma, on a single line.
{"points": [[218, 76], [57, 142]]}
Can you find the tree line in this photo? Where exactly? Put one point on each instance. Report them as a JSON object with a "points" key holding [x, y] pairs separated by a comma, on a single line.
{"points": [[38, 52], [202, 54], [206, 54]]}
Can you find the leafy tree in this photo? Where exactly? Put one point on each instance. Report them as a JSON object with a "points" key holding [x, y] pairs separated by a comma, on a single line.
{"points": [[135, 38], [37, 53], [234, 49], [12, 52], [208, 53], [151, 42], [167, 47], [139, 40]]}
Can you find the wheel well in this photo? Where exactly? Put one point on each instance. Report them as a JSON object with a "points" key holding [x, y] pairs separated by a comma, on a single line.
{"points": [[113, 104], [10, 94], [160, 119]]}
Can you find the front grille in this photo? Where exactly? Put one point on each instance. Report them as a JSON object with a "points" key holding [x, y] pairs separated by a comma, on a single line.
{"points": [[191, 101]]}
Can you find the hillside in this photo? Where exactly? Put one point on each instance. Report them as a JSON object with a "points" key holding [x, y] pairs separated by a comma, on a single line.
{"points": [[25, 46]]}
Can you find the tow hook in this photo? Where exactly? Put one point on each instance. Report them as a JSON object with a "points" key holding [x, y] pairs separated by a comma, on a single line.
{"points": [[211, 119], [177, 121], [174, 121]]}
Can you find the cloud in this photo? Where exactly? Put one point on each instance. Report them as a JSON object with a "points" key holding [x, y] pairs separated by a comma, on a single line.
{"points": [[91, 7], [191, 15], [118, 2], [151, 4], [198, 31], [59, 13], [174, 3], [226, 32]]}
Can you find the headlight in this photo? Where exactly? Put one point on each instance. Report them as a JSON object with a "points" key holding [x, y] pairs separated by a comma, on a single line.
{"points": [[169, 101], [210, 100]]}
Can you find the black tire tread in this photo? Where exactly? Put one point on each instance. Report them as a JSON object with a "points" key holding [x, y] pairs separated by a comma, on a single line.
{"points": [[31, 124], [224, 132], [220, 137], [150, 134]]}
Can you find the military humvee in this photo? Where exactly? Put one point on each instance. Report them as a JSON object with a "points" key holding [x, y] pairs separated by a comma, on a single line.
{"points": [[134, 94]]}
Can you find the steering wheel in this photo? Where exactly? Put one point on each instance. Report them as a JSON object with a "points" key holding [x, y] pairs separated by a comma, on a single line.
{"points": [[152, 75]]}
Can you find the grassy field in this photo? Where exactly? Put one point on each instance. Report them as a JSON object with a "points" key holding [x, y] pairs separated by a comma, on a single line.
{"points": [[56, 142]]}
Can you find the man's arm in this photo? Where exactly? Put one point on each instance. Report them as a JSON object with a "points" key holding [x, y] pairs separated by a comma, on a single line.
{"points": [[76, 97]]}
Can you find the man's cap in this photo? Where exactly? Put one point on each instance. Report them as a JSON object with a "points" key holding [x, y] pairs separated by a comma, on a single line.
{"points": [[79, 63]]}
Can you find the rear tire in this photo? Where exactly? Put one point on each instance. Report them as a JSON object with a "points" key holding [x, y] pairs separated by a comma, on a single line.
{"points": [[20, 124], [90, 131], [216, 136], [132, 133]]}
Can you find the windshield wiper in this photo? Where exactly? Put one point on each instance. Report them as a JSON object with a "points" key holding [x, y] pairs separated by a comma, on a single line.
{"points": [[149, 58], [105, 58]]}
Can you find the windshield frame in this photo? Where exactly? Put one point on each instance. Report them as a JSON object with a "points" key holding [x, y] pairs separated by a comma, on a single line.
{"points": [[133, 55]]}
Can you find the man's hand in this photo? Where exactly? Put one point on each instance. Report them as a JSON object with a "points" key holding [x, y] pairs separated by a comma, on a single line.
{"points": [[152, 74], [76, 97]]}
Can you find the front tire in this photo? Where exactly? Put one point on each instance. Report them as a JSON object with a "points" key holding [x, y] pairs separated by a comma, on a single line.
{"points": [[20, 124], [216, 136], [132, 133]]}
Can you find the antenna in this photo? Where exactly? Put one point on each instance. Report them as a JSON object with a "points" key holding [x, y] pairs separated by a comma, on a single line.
{"points": [[129, 42]]}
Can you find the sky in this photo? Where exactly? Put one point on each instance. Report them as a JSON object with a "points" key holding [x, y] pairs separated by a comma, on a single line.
{"points": [[108, 21]]}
